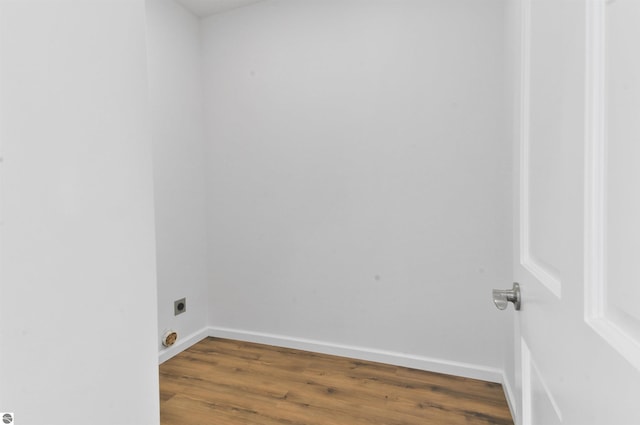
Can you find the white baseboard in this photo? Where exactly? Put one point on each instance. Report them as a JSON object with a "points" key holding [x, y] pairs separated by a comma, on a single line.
{"points": [[182, 344], [390, 357]]}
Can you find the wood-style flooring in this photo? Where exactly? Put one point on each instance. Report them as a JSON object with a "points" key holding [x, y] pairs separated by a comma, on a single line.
{"points": [[219, 381]]}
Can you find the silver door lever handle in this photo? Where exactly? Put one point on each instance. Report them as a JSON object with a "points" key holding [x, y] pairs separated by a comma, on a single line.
{"points": [[502, 297]]}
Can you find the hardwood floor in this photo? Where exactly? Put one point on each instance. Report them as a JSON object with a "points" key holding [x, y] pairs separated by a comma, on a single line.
{"points": [[220, 381]]}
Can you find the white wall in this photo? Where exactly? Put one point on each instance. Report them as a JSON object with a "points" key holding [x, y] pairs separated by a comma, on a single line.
{"points": [[359, 180], [176, 92], [78, 314]]}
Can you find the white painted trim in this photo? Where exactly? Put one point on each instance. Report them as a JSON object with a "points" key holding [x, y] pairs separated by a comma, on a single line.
{"points": [[182, 344], [430, 364], [547, 391], [542, 274], [524, 129], [526, 384], [528, 368], [618, 338], [595, 301], [511, 398], [595, 162]]}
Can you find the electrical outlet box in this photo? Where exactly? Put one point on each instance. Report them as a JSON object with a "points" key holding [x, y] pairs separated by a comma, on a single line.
{"points": [[179, 306]]}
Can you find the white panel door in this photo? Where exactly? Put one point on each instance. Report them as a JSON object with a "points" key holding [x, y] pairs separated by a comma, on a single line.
{"points": [[579, 212]]}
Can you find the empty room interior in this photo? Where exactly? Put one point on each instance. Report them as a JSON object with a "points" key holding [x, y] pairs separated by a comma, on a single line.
{"points": [[314, 212]]}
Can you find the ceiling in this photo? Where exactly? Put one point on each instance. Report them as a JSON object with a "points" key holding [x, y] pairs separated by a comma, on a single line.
{"points": [[209, 7]]}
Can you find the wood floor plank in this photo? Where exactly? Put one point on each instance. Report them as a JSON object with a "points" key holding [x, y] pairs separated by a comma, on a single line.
{"points": [[235, 382]]}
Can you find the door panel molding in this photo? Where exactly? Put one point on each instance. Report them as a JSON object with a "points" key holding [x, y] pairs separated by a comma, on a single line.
{"points": [[548, 278], [606, 321], [535, 392]]}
